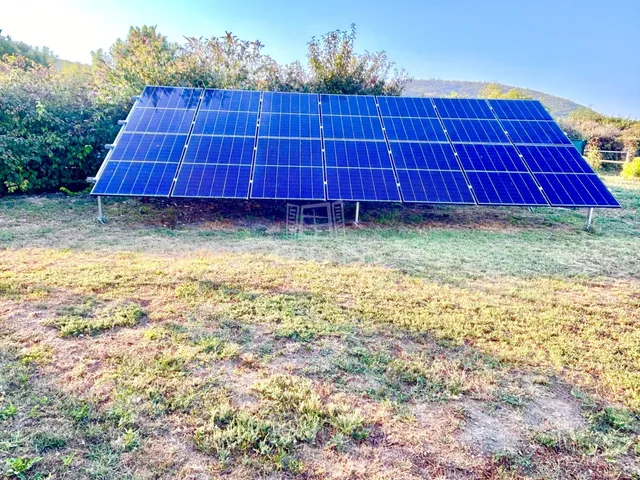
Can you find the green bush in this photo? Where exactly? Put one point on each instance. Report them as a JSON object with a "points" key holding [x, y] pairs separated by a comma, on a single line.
{"points": [[632, 169], [52, 128]]}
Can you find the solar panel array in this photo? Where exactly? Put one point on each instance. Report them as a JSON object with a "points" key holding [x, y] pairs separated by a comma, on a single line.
{"points": [[186, 142]]}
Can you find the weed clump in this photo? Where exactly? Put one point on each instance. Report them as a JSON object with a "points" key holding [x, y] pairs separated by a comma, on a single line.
{"points": [[290, 413], [82, 323]]}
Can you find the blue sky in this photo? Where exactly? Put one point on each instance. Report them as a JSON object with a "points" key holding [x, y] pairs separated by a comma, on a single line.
{"points": [[587, 50]]}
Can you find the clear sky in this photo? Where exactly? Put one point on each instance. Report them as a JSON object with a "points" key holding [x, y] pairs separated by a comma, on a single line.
{"points": [[584, 50]]}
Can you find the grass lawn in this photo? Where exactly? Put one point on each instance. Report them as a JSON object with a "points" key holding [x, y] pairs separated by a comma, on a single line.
{"points": [[195, 340]]}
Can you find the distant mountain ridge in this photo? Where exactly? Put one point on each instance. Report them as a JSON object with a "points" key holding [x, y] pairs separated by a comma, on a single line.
{"points": [[434, 87]]}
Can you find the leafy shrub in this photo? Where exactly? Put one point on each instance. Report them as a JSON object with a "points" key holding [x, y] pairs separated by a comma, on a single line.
{"points": [[632, 169], [52, 129]]}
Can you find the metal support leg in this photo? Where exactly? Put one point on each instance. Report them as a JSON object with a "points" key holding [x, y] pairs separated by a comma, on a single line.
{"points": [[357, 213], [100, 217], [589, 220]]}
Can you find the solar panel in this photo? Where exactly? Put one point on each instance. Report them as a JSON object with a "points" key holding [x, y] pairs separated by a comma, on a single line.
{"points": [[427, 168], [218, 159], [519, 110], [148, 149], [358, 162], [289, 161], [463, 108], [244, 144]]}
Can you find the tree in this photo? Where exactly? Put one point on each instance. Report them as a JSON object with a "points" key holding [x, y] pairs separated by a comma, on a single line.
{"points": [[51, 128], [225, 62], [335, 67], [145, 57], [42, 56], [494, 90]]}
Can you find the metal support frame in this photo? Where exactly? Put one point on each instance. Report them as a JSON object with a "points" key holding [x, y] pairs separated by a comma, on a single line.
{"points": [[357, 220], [100, 216], [589, 224], [301, 218]]}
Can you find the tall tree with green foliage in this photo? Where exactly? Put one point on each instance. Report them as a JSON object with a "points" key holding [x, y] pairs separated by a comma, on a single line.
{"points": [[335, 67], [226, 62], [145, 57]]}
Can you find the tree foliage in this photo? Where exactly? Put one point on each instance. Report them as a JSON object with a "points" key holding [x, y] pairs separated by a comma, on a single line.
{"points": [[145, 57], [494, 90], [51, 127], [335, 67], [9, 47], [603, 132]]}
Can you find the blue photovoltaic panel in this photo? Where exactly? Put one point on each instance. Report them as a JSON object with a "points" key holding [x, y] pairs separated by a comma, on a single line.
{"points": [[357, 154], [463, 108], [363, 166], [148, 150], [361, 128], [166, 120], [554, 159], [475, 131], [241, 144], [289, 152], [576, 190], [212, 181], [169, 97], [292, 183], [226, 123], [483, 157], [220, 150], [148, 147], [425, 162], [288, 162], [290, 125], [563, 175], [434, 186], [349, 105], [519, 110], [231, 100], [406, 107], [534, 132], [358, 163], [136, 178], [505, 188], [219, 155], [429, 172], [424, 156], [360, 184], [414, 129], [290, 103]]}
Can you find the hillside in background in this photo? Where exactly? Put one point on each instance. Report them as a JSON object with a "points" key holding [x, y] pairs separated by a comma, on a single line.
{"points": [[435, 87]]}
